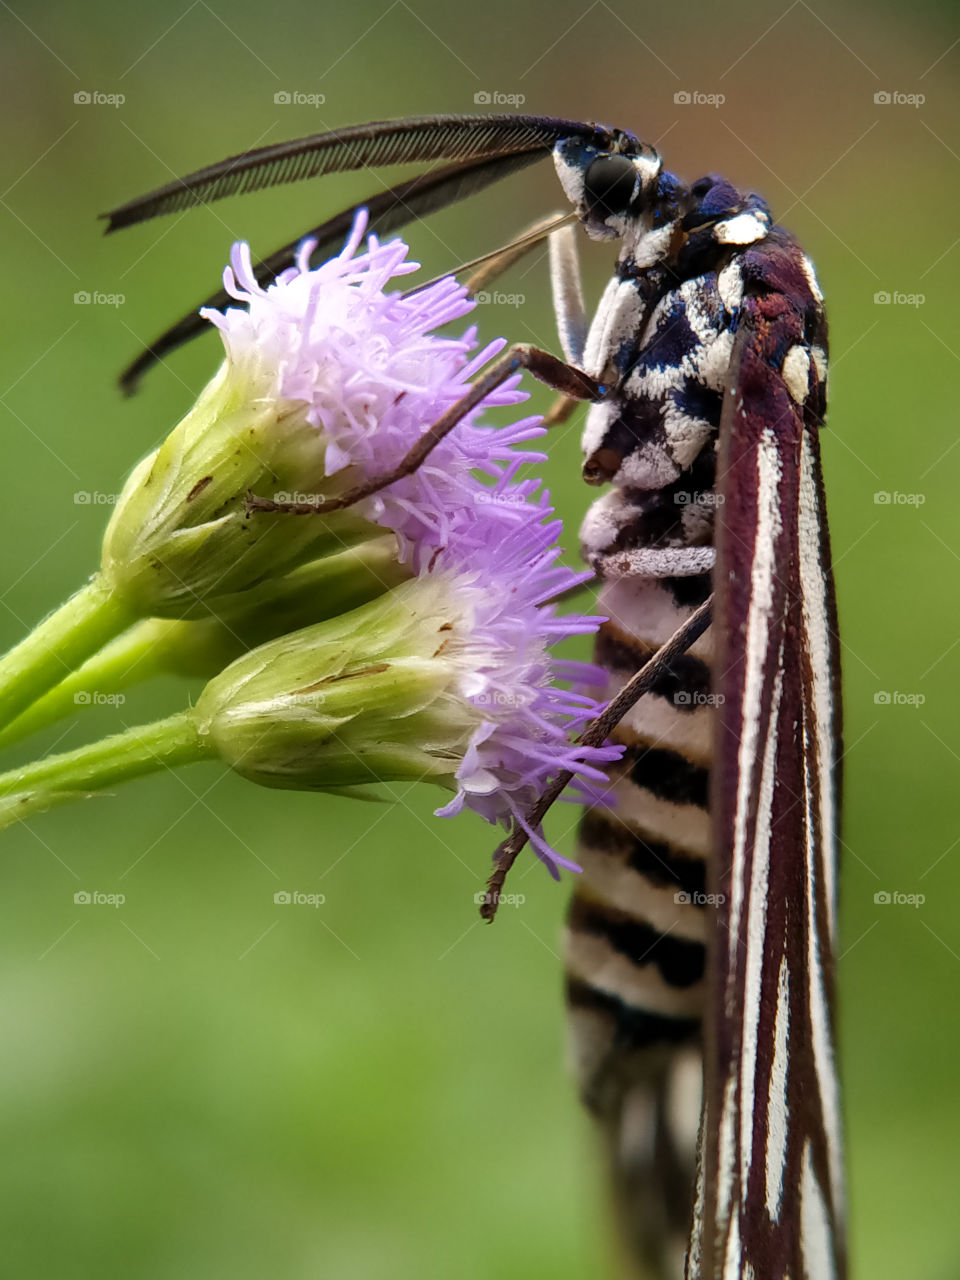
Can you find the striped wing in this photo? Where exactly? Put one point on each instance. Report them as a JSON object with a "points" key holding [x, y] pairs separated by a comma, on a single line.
{"points": [[769, 1198]]}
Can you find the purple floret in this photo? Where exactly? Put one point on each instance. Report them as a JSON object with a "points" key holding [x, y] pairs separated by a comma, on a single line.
{"points": [[374, 376]]}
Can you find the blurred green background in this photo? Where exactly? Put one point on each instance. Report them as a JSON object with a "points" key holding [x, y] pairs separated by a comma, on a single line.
{"points": [[202, 1083]]}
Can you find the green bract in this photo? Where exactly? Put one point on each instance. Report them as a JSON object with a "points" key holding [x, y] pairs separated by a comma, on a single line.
{"points": [[366, 697], [180, 538]]}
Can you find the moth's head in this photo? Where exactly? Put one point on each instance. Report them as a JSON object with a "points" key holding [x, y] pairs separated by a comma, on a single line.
{"points": [[611, 179]]}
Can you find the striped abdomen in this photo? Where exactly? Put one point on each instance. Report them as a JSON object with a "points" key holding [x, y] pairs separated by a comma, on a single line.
{"points": [[635, 943]]}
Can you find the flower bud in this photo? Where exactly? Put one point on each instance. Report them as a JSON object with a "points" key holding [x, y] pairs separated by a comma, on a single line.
{"points": [[366, 697], [446, 677], [180, 537]]}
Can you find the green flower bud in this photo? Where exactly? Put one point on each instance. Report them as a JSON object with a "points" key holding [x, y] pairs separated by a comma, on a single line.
{"points": [[370, 696], [180, 538], [311, 593]]}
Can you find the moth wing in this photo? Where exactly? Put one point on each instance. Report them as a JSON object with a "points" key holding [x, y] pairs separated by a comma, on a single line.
{"points": [[769, 1185]]}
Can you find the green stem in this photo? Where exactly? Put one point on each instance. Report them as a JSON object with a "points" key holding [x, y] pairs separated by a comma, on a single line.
{"points": [[202, 647], [59, 644], [136, 655], [74, 775]]}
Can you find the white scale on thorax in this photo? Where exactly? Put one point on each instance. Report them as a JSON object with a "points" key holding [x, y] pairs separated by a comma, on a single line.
{"points": [[620, 321], [620, 311], [617, 321]]}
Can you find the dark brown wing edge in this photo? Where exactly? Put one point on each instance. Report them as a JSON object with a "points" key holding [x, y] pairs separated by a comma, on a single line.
{"points": [[388, 210], [770, 1181]]}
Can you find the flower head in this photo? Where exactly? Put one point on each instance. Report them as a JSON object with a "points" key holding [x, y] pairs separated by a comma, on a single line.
{"points": [[507, 578], [447, 676], [330, 378], [373, 376]]}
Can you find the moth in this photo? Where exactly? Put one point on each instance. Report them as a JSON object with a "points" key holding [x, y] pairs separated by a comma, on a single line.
{"points": [[705, 919]]}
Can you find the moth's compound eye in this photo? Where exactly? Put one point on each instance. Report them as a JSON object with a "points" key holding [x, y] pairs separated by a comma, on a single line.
{"points": [[609, 185]]}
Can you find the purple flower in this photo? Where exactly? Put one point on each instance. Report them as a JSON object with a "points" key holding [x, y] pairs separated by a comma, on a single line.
{"points": [[507, 575], [373, 376]]}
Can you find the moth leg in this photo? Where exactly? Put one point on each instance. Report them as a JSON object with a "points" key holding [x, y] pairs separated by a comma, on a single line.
{"points": [[568, 304], [490, 266], [565, 280], [659, 562], [547, 368], [566, 284], [595, 735], [560, 411]]}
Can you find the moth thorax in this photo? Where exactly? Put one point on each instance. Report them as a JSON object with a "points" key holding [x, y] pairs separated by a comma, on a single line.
{"points": [[644, 244], [613, 453]]}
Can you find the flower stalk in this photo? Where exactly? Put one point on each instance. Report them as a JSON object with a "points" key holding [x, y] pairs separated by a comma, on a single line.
{"points": [[202, 648], [81, 626], [351, 701], [409, 687], [77, 775]]}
